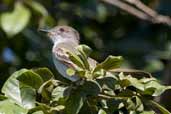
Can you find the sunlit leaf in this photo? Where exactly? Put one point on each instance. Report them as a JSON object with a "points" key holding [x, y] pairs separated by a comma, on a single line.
{"points": [[101, 111], [110, 63], [8, 107], [157, 87], [59, 92], [84, 53], [15, 21], [20, 94], [148, 112], [76, 59], [70, 71]]}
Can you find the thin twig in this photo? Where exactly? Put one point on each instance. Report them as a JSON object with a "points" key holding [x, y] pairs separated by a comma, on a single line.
{"points": [[140, 10], [107, 96], [156, 18]]}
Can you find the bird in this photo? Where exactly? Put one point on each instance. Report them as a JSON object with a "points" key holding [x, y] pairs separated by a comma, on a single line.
{"points": [[65, 38]]}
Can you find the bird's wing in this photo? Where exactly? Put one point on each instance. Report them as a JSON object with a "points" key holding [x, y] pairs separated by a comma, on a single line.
{"points": [[92, 62], [62, 56]]}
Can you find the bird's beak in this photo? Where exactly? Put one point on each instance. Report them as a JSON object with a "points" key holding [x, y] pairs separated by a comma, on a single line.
{"points": [[44, 30]]}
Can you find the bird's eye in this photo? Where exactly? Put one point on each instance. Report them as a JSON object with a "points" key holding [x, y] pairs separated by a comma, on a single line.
{"points": [[61, 30]]}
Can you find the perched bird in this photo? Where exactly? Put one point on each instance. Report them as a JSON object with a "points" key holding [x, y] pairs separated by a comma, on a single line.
{"points": [[65, 38]]}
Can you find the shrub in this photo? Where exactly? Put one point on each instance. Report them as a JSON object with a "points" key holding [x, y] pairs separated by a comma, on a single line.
{"points": [[102, 89]]}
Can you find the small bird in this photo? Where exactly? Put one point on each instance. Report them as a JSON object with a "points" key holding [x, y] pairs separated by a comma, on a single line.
{"points": [[65, 38]]}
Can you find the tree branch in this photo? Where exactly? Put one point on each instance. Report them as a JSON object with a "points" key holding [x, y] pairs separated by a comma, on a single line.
{"points": [[140, 10]]}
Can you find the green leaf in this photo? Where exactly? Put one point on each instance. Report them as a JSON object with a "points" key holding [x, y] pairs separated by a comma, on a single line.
{"points": [[76, 59], [90, 87], [45, 73], [110, 63], [148, 112], [46, 88], [20, 94], [161, 108], [74, 103], [107, 82], [31, 79], [156, 87], [60, 92], [70, 72], [8, 107], [101, 111], [84, 53], [84, 50], [130, 81], [14, 22], [38, 112]]}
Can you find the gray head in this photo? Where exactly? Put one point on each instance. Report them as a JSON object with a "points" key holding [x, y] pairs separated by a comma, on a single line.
{"points": [[62, 33]]}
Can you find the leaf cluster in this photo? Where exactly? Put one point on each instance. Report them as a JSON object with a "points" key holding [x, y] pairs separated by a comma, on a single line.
{"points": [[99, 90]]}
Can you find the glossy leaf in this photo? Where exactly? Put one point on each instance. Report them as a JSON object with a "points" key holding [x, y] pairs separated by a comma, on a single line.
{"points": [[84, 53], [74, 103], [59, 92], [70, 72], [90, 88], [45, 73], [15, 21], [156, 87], [76, 59], [20, 94], [101, 111], [84, 50], [8, 107], [110, 63], [31, 79]]}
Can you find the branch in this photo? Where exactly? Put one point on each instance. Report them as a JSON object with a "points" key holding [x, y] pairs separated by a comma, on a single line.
{"points": [[140, 10]]}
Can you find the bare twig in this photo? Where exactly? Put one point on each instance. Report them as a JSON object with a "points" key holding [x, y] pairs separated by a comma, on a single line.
{"points": [[140, 10]]}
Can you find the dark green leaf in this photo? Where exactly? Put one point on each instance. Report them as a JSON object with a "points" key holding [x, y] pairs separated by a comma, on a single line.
{"points": [[90, 88], [74, 103], [45, 73], [31, 79]]}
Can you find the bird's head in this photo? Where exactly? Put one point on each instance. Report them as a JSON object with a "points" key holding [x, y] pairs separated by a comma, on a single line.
{"points": [[62, 33]]}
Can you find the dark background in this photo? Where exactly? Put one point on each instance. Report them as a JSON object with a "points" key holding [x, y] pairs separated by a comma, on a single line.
{"points": [[105, 28]]}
